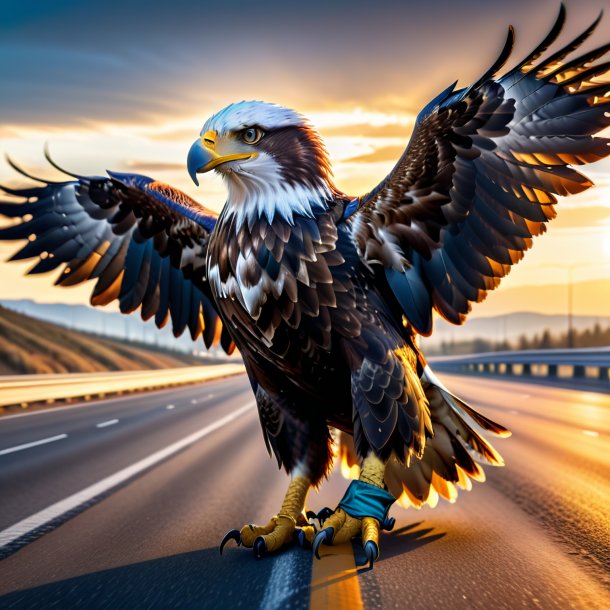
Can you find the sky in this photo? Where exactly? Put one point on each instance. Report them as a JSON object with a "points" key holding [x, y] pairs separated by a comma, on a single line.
{"points": [[128, 85]]}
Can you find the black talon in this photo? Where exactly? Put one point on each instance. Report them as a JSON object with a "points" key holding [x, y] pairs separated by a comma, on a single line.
{"points": [[388, 524], [311, 515], [260, 547], [324, 514], [372, 552], [323, 536], [231, 535], [302, 539]]}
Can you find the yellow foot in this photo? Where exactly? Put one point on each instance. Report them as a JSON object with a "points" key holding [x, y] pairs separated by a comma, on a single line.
{"points": [[281, 530], [288, 524], [341, 527], [368, 492]]}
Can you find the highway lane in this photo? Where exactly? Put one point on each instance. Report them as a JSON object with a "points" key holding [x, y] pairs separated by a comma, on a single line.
{"points": [[535, 535], [33, 478]]}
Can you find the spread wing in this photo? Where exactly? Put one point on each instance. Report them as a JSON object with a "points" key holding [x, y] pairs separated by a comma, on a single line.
{"points": [[143, 242], [480, 176]]}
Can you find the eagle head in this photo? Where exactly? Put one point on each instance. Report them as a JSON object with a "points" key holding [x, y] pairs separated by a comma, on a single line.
{"points": [[272, 159]]}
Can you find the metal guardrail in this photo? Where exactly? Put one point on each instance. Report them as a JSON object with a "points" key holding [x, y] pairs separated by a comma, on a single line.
{"points": [[592, 364], [27, 389]]}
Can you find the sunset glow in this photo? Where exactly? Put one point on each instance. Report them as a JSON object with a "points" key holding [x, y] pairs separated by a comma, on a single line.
{"points": [[143, 125]]}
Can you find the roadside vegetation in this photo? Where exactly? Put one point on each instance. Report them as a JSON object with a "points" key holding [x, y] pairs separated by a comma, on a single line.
{"points": [[32, 346], [597, 336]]}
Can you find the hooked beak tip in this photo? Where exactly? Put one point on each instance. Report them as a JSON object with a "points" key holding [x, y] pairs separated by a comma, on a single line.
{"points": [[197, 159]]}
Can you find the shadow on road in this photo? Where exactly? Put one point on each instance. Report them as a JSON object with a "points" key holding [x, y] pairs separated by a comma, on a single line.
{"points": [[199, 579], [204, 579], [400, 541]]}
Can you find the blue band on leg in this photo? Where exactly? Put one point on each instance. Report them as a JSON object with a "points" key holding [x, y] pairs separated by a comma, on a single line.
{"points": [[365, 500]]}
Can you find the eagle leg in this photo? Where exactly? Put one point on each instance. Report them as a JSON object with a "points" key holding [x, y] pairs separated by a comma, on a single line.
{"points": [[367, 495], [289, 523]]}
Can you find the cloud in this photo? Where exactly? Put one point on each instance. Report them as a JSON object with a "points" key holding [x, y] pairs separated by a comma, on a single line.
{"points": [[154, 166], [572, 218], [174, 135], [365, 130], [73, 63], [384, 153]]}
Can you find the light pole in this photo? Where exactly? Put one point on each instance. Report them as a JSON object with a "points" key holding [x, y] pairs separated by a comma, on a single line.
{"points": [[570, 268]]}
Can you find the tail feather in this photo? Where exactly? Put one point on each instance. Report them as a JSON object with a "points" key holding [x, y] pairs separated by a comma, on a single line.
{"points": [[459, 404], [451, 454], [465, 461], [481, 420]]}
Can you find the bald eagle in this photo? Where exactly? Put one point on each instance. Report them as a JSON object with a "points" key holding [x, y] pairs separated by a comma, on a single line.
{"points": [[324, 294]]}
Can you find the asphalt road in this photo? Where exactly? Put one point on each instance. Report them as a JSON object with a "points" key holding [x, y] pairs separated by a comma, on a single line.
{"points": [[537, 534]]}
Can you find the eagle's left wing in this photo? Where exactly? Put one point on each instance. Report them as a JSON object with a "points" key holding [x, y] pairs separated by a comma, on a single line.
{"points": [[479, 177], [143, 241]]}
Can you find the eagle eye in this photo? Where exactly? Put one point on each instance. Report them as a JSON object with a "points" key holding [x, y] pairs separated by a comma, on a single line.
{"points": [[252, 135]]}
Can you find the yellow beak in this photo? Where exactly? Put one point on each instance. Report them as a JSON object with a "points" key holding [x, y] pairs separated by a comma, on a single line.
{"points": [[203, 157]]}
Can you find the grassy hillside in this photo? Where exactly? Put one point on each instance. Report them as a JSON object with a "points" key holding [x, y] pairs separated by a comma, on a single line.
{"points": [[28, 345]]}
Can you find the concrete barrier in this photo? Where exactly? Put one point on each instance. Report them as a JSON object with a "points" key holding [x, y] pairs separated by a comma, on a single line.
{"points": [[27, 389]]}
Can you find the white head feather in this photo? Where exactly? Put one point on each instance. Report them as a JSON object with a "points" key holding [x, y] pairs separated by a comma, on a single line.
{"points": [[246, 114], [257, 186]]}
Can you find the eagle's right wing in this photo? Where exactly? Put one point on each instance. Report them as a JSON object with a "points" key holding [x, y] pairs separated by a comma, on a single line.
{"points": [[144, 242], [480, 176]]}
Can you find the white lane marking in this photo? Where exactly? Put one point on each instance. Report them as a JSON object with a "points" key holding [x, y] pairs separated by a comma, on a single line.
{"points": [[43, 441], [170, 407], [590, 433], [105, 424], [197, 401], [33, 522]]}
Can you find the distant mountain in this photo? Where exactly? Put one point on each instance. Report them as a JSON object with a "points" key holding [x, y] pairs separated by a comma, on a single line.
{"points": [[590, 298], [509, 327]]}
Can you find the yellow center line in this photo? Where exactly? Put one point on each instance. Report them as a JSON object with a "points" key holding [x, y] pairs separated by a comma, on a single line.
{"points": [[334, 579]]}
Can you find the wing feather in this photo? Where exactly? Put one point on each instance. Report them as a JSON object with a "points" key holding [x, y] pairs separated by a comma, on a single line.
{"points": [[481, 175], [143, 242]]}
